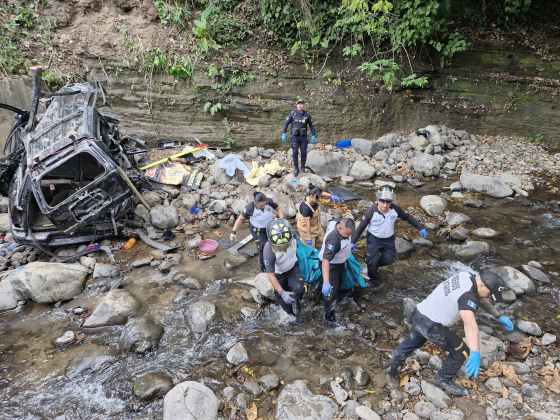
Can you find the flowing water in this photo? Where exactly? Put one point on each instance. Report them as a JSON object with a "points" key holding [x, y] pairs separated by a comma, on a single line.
{"points": [[92, 379]]}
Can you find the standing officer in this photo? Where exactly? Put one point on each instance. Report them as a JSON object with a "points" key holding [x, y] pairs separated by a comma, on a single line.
{"points": [[299, 120], [380, 221], [336, 249], [259, 212], [281, 263], [457, 297]]}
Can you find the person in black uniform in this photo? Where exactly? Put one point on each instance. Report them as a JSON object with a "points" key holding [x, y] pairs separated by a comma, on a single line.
{"points": [[456, 298], [299, 119], [336, 249], [281, 263], [380, 221], [259, 213]]}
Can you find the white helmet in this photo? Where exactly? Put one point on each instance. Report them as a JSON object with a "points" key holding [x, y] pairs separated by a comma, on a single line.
{"points": [[386, 193]]}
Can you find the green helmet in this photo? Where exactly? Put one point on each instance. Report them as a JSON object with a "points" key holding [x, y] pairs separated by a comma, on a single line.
{"points": [[279, 232]]}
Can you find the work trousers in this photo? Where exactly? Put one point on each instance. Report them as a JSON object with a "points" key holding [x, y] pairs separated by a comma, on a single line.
{"points": [[336, 273], [260, 236], [299, 145], [424, 329], [380, 252], [290, 282]]}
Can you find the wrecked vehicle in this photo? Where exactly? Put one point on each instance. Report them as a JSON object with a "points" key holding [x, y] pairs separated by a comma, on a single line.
{"points": [[69, 175]]}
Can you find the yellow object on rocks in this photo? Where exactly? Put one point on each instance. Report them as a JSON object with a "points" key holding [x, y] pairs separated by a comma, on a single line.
{"points": [[272, 168]]}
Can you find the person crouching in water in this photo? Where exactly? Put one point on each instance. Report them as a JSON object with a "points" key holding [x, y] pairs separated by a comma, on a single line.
{"points": [[281, 264], [456, 298], [336, 249], [380, 221], [308, 219], [259, 213]]}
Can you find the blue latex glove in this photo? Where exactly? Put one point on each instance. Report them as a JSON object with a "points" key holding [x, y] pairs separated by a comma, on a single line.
{"points": [[313, 138], [472, 367], [506, 323], [326, 290], [335, 198], [424, 233], [354, 247], [309, 242], [283, 138], [287, 297]]}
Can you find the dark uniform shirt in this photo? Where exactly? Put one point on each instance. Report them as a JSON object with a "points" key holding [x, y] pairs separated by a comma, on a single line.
{"points": [[304, 209], [299, 121]]}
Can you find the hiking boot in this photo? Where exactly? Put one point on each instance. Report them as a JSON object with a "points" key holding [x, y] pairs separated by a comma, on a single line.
{"points": [[296, 172], [451, 388]]}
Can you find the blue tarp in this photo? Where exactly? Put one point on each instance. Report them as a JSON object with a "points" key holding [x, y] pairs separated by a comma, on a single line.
{"points": [[310, 268]]}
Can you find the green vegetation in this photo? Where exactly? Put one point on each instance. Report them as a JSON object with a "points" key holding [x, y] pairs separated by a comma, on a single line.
{"points": [[229, 141]]}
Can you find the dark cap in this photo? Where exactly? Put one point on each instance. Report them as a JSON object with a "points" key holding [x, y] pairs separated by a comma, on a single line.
{"points": [[300, 101], [495, 283]]}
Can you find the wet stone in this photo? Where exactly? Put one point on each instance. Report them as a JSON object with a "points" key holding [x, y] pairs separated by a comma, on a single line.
{"points": [[361, 376], [65, 339], [269, 382], [528, 327], [425, 409], [435, 362], [151, 385], [435, 395], [296, 402], [452, 414], [410, 416], [141, 262], [340, 394], [190, 401], [484, 233], [242, 400], [253, 387], [548, 339], [200, 314], [102, 270], [412, 387], [366, 413], [494, 385], [228, 393], [141, 334], [237, 354], [536, 274]]}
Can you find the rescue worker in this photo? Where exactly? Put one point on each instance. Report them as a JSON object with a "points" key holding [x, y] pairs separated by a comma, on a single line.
{"points": [[457, 297], [380, 221], [336, 249], [299, 119], [259, 213], [308, 218], [281, 264]]}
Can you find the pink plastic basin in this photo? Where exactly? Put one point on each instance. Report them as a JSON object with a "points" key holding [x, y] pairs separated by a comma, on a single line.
{"points": [[208, 246]]}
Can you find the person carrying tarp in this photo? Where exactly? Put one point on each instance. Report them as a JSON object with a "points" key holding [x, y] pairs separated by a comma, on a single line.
{"points": [[336, 249], [281, 264], [259, 213], [308, 218], [380, 221]]}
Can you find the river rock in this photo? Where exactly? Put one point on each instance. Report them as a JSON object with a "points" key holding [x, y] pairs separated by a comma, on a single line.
{"points": [[237, 355], [88, 364], [8, 295], [308, 178], [470, 249], [326, 163], [361, 376], [362, 171], [412, 387], [418, 142], [65, 339], [296, 402], [422, 242], [262, 284], [269, 382], [114, 308], [435, 395], [141, 334], [253, 387], [489, 185], [528, 327], [386, 141], [409, 306], [340, 394], [474, 203], [494, 385], [5, 223], [200, 314], [403, 246], [366, 413], [536, 274], [164, 217], [287, 205], [425, 409], [103, 270], [217, 207], [152, 198], [460, 233], [485, 233], [548, 339], [434, 205], [456, 186], [362, 146], [410, 416], [151, 385], [44, 282], [455, 219], [492, 349], [190, 401], [88, 262], [427, 165], [515, 280], [451, 414]]}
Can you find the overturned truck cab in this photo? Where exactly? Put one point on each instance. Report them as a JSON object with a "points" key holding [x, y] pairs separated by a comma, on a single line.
{"points": [[74, 179]]}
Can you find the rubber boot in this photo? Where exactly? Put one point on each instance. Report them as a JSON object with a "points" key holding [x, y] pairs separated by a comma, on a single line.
{"points": [[451, 388], [303, 166], [296, 167]]}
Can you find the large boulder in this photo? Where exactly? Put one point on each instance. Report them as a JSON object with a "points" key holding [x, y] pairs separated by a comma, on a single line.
{"points": [[8, 295], [362, 170], [362, 146], [46, 282], [200, 314], [492, 349], [190, 401], [262, 284], [164, 217], [387, 141], [141, 334], [490, 185], [470, 249], [114, 309], [151, 385], [5, 223], [427, 165], [536, 274], [418, 142], [326, 163], [515, 280], [435, 395], [296, 402], [403, 246], [434, 205]]}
